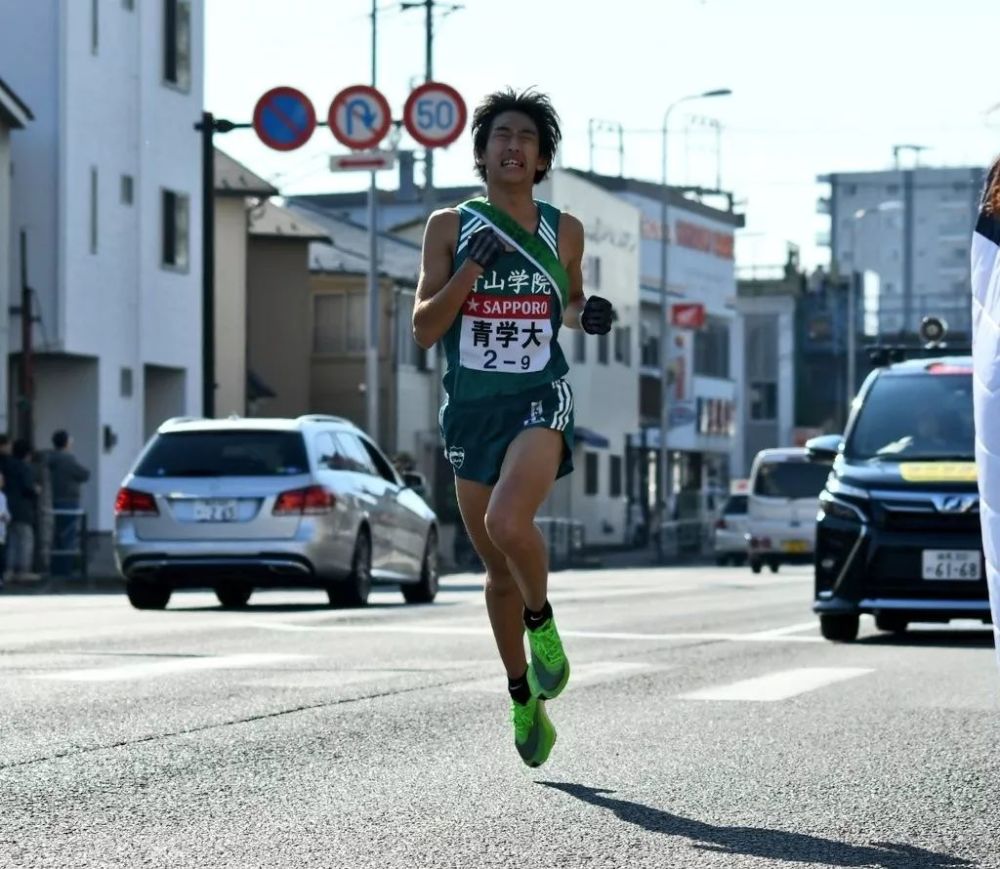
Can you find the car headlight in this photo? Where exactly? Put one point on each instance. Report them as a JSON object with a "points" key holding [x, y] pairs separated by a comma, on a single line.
{"points": [[836, 508], [836, 486]]}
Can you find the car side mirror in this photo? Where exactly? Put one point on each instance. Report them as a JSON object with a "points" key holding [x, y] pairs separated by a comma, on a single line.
{"points": [[824, 448]]}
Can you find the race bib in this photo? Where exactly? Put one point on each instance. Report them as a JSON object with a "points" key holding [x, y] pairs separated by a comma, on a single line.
{"points": [[506, 333]]}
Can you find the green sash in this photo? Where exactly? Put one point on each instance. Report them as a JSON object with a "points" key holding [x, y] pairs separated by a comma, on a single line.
{"points": [[529, 246]]}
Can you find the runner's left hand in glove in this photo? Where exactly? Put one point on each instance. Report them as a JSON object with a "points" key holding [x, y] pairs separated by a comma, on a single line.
{"points": [[596, 316]]}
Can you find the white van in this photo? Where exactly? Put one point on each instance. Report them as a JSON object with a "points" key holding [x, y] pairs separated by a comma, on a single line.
{"points": [[782, 507]]}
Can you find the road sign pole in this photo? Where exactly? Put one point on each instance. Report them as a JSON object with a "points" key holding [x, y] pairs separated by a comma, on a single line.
{"points": [[374, 308]]}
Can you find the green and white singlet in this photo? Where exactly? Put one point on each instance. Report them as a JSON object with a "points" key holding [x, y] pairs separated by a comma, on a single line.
{"points": [[505, 339]]}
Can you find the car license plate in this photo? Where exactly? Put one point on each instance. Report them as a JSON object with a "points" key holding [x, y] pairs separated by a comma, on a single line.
{"points": [[796, 546], [216, 510], [951, 564]]}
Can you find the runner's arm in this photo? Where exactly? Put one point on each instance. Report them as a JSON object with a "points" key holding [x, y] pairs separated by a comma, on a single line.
{"points": [[440, 294], [571, 251]]}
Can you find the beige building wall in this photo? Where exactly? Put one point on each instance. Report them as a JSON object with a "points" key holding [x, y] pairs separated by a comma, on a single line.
{"points": [[230, 305], [279, 324]]}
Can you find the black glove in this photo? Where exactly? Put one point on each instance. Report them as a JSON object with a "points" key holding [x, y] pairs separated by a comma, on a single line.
{"points": [[597, 316], [485, 247]]}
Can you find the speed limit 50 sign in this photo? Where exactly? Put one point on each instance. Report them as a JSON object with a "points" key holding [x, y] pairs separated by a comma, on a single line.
{"points": [[435, 114]]}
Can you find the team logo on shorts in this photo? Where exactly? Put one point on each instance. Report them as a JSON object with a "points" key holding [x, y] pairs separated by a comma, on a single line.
{"points": [[536, 414], [456, 455]]}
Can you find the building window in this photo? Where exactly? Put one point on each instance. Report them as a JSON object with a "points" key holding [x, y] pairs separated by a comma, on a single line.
{"points": [[177, 43], [623, 345], [603, 342], [94, 28], [126, 382], [615, 475], [649, 346], [590, 474], [339, 321], [579, 345], [763, 400], [127, 189], [711, 350], [175, 230], [93, 209]]}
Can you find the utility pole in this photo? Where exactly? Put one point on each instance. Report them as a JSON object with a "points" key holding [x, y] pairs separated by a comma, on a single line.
{"points": [[428, 7], [374, 302], [429, 76]]}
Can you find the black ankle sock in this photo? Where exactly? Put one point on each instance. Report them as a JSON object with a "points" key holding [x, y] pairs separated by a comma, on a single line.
{"points": [[534, 620], [519, 690]]}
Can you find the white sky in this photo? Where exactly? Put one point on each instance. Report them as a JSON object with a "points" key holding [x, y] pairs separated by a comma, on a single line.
{"points": [[818, 87]]}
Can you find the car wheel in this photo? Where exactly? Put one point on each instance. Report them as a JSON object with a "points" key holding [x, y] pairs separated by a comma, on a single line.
{"points": [[721, 560], [892, 624], [146, 596], [355, 589], [233, 595], [426, 590], [774, 566], [839, 628], [756, 565]]}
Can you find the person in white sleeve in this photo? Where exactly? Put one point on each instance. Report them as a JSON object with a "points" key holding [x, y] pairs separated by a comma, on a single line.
{"points": [[986, 379]]}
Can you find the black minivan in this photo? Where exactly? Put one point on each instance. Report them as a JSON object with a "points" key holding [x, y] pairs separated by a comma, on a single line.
{"points": [[898, 532]]}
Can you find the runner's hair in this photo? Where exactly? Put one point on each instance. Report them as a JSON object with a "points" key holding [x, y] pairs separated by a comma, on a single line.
{"points": [[991, 195], [531, 103]]}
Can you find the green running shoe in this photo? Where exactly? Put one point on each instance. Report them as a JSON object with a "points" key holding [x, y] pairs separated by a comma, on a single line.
{"points": [[534, 734], [549, 670]]}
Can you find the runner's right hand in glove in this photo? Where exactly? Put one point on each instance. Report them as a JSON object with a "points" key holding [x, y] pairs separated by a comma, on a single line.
{"points": [[485, 247]]}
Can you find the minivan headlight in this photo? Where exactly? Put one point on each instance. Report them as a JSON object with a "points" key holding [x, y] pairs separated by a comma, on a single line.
{"points": [[836, 486], [836, 508]]}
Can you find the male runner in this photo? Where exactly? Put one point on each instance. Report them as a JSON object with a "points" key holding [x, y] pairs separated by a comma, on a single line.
{"points": [[500, 276]]}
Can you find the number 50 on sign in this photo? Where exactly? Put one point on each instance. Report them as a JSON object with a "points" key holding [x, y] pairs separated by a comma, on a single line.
{"points": [[435, 114]]}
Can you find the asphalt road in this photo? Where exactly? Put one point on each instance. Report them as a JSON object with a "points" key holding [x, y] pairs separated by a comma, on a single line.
{"points": [[706, 724]]}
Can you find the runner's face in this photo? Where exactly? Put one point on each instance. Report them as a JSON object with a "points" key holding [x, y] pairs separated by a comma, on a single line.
{"points": [[512, 150]]}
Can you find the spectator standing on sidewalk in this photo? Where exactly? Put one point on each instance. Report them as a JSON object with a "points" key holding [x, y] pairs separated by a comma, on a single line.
{"points": [[67, 476], [22, 500]]}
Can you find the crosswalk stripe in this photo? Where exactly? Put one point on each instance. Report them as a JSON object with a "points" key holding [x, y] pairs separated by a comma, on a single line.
{"points": [[600, 671], [167, 668], [778, 686]]}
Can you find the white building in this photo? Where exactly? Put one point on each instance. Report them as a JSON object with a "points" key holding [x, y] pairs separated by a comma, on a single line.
{"points": [[704, 438], [913, 233], [14, 115], [106, 185], [603, 368]]}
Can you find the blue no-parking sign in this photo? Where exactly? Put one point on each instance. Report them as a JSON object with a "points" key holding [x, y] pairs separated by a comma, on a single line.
{"points": [[284, 118]]}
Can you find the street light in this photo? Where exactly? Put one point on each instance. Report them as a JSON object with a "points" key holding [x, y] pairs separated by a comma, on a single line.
{"points": [[665, 307]]}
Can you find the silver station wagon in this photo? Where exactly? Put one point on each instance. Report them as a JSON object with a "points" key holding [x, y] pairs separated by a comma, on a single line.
{"points": [[238, 504]]}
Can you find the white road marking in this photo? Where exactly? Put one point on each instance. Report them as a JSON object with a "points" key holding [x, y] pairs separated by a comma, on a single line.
{"points": [[483, 631], [601, 671], [152, 669], [778, 686], [787, 629]]}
